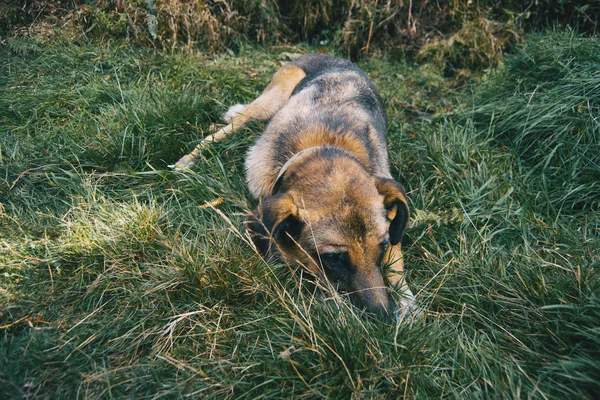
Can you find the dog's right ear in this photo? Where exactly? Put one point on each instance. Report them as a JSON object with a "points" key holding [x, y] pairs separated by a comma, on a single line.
{"points": [[394, 197], [275, 221]]}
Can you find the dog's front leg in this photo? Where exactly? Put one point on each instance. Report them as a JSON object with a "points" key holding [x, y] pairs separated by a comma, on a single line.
{"points": [[396, 277]]}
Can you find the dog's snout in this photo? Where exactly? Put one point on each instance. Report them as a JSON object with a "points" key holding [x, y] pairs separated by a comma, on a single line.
{"points": [[371, 293], [383, 309]]}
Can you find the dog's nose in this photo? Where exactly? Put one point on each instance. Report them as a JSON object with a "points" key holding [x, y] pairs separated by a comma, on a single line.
{"points": [[371, 293], [383, 309], [377, 301]]}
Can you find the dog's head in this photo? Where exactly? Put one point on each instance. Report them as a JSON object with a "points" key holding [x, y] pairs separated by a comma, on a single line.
{"points": [[339, 226]]}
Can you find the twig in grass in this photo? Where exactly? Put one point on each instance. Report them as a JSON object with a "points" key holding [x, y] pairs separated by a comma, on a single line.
{"points": [[170, 327], [82, 344], [88, 316], [180, 365], [22, 174], [29, 320], [212, 203], [370, 30], [214, 343]]}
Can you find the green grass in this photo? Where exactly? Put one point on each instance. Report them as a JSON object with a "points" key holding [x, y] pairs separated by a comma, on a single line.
{"points": [[117, 280], [545, 105]]}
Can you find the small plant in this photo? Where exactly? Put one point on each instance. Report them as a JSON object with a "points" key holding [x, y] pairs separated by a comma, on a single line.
{"points": [[477, 45]]}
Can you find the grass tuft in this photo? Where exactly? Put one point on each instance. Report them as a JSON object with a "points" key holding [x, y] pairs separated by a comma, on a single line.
{"points": [[544, 104]]}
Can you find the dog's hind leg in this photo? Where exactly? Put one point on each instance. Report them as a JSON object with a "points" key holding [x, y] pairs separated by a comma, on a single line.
{"points": [[264, 107], [233, 111]]}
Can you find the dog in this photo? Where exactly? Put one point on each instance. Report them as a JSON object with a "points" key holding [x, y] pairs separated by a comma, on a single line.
{"points": [[320, 170]]}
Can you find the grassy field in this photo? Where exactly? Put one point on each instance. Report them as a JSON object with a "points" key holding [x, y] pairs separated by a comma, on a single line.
{"points": [[122, 279]]}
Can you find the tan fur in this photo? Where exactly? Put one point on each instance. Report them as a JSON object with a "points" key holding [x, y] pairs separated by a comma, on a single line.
{"points": [[321, 135]]}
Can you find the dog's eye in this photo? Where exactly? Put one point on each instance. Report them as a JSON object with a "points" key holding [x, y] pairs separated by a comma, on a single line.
{"points": [[338, 259], [337, 267]]}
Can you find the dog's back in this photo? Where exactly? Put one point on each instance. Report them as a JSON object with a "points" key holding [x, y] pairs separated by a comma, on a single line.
{"points": [[335, 104]]}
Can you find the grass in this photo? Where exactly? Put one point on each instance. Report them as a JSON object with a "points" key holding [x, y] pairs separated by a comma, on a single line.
{"points": [[122, 279], [545, 104]]}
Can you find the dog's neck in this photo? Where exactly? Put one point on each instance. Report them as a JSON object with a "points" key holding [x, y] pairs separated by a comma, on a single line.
{"points": [[302, 154], [290, 161]]}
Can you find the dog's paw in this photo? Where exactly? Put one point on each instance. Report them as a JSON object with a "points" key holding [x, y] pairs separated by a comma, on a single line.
{"points": [[184, 162], [407, 309], [233, 111]]}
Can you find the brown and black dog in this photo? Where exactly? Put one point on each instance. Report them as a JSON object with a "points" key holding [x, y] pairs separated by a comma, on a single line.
{"points": [[320, 170]]}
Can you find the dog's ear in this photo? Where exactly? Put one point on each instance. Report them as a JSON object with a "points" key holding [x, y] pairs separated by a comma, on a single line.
{"points": [[394, 200], [275, 220]]}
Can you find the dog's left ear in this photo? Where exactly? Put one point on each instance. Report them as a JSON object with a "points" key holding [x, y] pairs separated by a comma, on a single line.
{"points": [[394, 200], [275, 221]]}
